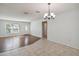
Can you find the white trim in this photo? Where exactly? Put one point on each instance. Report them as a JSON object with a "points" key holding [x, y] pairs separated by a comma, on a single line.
{"points": [[16, 20]]}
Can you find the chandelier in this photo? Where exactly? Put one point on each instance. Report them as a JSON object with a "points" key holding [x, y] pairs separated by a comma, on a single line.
{"points": [[49, 15]]}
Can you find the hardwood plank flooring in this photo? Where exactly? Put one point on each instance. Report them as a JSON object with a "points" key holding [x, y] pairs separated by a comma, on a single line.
{"points": [[9, 43]]}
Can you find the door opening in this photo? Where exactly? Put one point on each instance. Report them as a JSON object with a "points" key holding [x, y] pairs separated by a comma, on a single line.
{"points": [[44, 29]]}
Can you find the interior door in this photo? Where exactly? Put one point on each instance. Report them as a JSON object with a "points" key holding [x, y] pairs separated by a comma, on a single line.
{"points": [[44, 29]]}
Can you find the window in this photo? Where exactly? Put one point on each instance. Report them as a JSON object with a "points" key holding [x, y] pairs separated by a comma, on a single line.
{"points": [[12, 28], [26, 28]]}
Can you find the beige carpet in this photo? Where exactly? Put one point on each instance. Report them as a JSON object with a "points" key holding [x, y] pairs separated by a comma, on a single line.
{"points": [[43, 48]]}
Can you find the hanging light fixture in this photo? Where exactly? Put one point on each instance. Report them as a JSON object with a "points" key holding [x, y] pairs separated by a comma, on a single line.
{"points": [[49, 15]]}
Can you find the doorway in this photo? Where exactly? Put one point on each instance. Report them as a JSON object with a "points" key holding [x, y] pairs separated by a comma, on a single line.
{"points": [[44, 29]]}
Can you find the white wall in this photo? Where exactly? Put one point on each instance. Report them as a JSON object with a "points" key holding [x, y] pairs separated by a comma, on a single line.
{"points": [[65, 28], [36, 28]]}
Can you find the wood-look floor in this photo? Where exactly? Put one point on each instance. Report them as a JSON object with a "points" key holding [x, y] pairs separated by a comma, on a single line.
{"points": [[43, 48], [9, 43]]}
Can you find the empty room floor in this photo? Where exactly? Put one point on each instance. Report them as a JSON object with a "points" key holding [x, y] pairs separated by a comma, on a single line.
{"points": [[43, 48], [14, 42]]}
